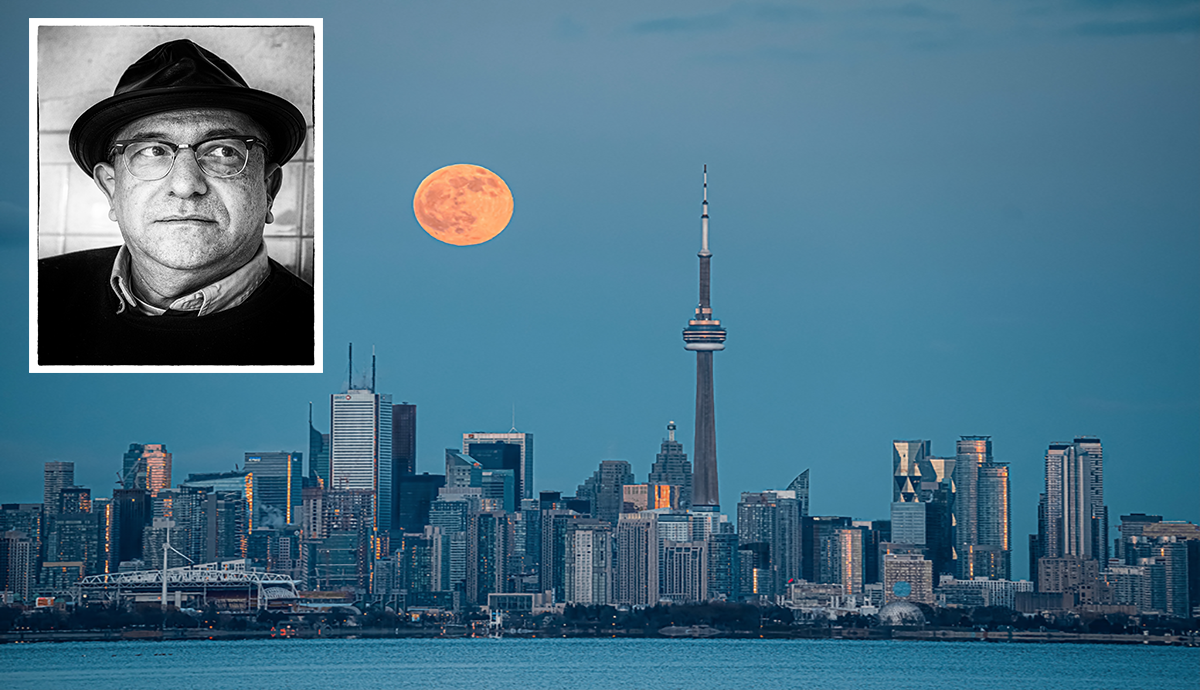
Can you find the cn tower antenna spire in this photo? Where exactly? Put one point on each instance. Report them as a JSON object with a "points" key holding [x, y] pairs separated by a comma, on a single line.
{"points": [[704, 336], [704, 217]]}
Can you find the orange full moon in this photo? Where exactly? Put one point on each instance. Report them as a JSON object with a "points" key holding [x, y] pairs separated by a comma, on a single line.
{"points": [[463, 204]]}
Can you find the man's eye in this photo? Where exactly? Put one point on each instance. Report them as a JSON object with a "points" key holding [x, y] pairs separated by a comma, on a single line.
{"points": [[152, 151], [222, 152]]}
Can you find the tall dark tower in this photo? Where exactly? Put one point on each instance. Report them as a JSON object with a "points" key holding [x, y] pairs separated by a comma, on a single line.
{"points": [[704, 335]]}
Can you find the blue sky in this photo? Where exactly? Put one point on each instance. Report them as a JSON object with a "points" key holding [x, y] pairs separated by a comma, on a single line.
{"points": [[928, 220]]}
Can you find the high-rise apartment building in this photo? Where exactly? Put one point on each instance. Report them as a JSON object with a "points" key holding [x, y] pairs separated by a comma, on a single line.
{"points": [[18, 564], [360, 457], [637, 559], [494, 537], [1073, 518], [74, 537], [800, 486], [769, 522], [992, 555], [58, 476], [510, 450], [723, 570], [671, 467], [684, 571], [981, 516], [588, 576], [843, 560]]}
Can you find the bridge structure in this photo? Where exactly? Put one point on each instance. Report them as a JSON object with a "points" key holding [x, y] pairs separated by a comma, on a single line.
{"points": [[229, 584]]}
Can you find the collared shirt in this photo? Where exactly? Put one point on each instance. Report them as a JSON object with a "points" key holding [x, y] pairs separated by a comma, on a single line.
{"points": [[225, 293]]}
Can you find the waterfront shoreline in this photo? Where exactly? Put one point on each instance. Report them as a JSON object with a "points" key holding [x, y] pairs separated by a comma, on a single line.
{"points": [[934, 635]]}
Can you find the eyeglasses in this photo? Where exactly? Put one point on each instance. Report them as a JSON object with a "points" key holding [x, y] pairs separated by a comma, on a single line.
{"points": [[149, 160]]}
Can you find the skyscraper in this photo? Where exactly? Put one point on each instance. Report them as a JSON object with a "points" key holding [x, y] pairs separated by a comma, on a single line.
{"points": [[1073, 518], [671, 467], [147, 466], [511, 450], [318, 453], [704, 336], [800, 486], [769, 523], [360, 455], [278, 478], [981, 511], [605, 489], [404, 439], [58, 476], [923, 500], [637, 559], [993, 555]]}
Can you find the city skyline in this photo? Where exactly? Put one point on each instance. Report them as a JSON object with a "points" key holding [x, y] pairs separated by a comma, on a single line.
{"points": [[932, 224]]}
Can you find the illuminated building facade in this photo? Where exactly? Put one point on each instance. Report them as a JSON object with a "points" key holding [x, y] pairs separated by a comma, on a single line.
{"points": [[992, 556], [75, 499], [671, 468], [843, 560], [146, 466], [279, 478], [981, 511]]}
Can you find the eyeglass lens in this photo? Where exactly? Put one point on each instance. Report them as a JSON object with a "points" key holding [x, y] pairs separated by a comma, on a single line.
{"points": [[152, 160]]}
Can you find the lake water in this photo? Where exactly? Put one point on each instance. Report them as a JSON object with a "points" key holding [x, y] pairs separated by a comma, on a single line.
{"points": [[592, 663]]}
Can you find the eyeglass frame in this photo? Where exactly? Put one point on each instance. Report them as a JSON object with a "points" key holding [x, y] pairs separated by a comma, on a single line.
{"points": [[118, 149]]}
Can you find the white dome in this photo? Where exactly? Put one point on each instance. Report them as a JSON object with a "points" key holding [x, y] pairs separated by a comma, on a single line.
{"points": [[901, 613]]}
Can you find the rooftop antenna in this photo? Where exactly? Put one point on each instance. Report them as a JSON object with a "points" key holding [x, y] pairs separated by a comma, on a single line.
{"points": [[514, 418], [704, 216], [350, 373], [372, 368], [310, 414]]}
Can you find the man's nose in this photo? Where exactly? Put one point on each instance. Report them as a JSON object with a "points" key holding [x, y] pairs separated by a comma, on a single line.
{"points": [[186, 179]]}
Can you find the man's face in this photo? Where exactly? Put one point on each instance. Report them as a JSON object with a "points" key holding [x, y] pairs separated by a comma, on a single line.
{"points": [[188, 221]]}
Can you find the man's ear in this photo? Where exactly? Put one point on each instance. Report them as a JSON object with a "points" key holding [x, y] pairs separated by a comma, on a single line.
{"points": [[105, 177], [273, 180]]}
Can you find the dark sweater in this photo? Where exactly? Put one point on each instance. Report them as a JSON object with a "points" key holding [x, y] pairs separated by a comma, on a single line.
{"points": [[78, 321]]}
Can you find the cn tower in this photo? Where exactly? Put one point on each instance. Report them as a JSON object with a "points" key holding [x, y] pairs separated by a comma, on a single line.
{"points": [[704, 336]]}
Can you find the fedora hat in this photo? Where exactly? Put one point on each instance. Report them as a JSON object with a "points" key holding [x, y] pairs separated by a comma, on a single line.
{"points": [[176, 75]]}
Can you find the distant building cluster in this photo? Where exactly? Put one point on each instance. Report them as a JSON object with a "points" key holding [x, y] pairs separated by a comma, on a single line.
{"points": [[359, 520], [359, 524]]}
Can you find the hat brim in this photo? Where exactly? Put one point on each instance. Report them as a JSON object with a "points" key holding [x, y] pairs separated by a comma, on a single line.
{"points": [[93, 132]]}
